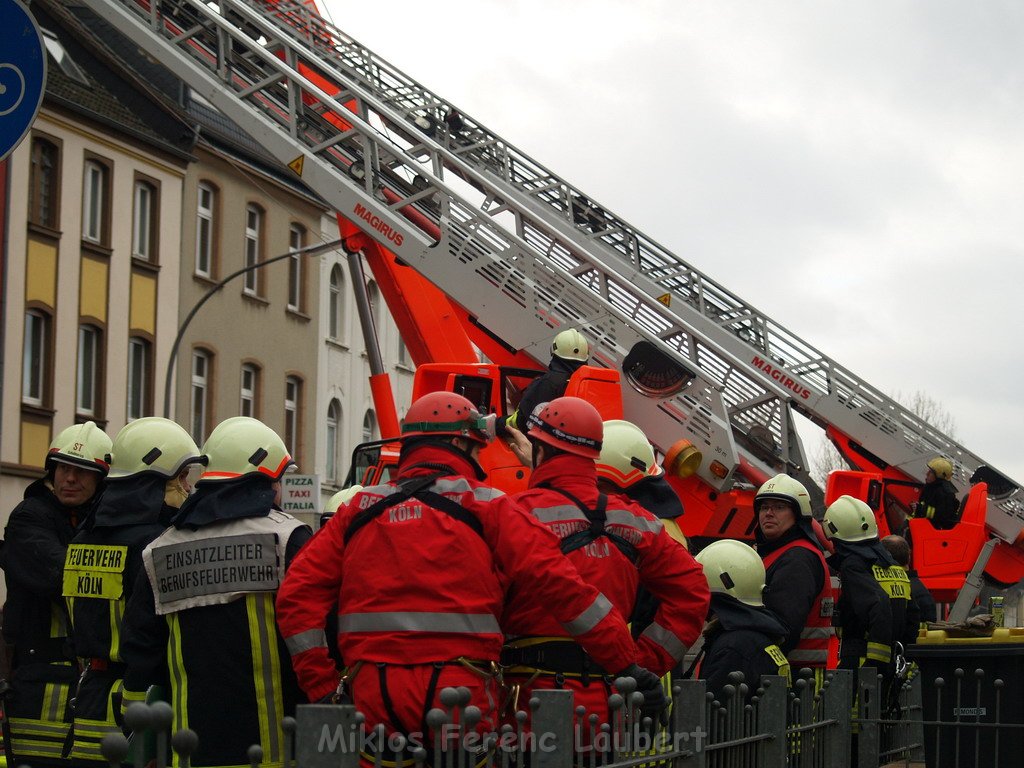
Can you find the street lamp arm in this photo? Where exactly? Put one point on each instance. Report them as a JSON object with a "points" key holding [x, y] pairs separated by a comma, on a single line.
{"points": [[309, 250]]}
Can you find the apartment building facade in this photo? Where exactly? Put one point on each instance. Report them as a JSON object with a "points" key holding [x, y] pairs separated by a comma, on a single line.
{"points": [[93, 238], [130, 201], [345, 409], [252, 349]]}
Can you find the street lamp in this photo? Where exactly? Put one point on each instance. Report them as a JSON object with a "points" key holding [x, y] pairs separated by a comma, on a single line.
{"points": [[309, 250]]}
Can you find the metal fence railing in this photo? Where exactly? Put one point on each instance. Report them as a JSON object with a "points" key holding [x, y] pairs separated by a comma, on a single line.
{"points": [[843, 722], [973, 718]]}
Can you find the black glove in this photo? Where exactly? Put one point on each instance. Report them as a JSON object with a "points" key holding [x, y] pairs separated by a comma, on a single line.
{"points": [[501, 428], [649, 684]]}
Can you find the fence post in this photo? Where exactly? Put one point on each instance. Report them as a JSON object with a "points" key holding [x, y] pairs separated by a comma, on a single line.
{"points": [[915, 716], [868, 711], [552, 744], [837, 696], [801, 713], [771, 720], [689, 721], [327, 736]]}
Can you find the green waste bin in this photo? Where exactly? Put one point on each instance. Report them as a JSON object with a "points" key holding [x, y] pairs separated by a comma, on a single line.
{"points": [[980, 719]]}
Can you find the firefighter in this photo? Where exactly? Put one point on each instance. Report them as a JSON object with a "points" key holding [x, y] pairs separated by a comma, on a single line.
{"points": [[426, 560], [616, 546], [875, 609], [331, 623], [40, 528], [899, 548], [627, 467], [938, 501], [569, 352], [799, 590], [742, 635], [147, 483], [341, 497], [201, 621]]}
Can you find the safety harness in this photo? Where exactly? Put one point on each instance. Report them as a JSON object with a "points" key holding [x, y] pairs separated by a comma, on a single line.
{"points": [[414, 487], [598, 518], [561, 656]]}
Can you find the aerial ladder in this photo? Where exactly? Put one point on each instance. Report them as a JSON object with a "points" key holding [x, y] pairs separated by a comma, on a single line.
{"points": [[509, 252]]}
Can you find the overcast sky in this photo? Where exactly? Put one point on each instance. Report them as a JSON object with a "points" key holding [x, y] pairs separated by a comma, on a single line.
{"points": [[854, 170]]}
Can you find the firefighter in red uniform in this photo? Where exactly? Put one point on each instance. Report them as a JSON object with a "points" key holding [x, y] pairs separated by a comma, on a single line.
{"points": [[616, 545], [799, 590], [426, 560]]}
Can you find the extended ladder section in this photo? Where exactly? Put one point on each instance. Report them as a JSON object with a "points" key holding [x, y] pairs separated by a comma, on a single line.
{"points": [[524, 251]]}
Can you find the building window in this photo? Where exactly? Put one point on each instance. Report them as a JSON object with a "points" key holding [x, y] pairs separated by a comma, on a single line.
{"points": [[253, 254], [249, 390], [333, 422], [43, 178], [63, 59], [205, 232], [296, 241], [95, 196], [35, 358], [336, 322], [144, 240], [370, 426], [139, 378], [373, 299], [89, 367], [202, 362], [403, 351], [292, 393]]}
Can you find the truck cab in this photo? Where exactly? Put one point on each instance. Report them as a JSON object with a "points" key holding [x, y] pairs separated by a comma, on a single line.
{"points": [[493, 389]]}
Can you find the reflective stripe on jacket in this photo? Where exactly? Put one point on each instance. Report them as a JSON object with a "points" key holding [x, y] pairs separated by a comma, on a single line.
{"points": [[210, 641], [99, 575], [663, 566], [421, 586], [817, 635], [218, 563]]}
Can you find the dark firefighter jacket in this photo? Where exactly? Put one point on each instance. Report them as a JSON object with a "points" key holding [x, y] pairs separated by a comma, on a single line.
{"points": [[938, 503], [797, 583], [35, 623], [545, 388], [103, 562], [923, 599], [741, 638], [875, 610], [201, 621], [36, 541]]}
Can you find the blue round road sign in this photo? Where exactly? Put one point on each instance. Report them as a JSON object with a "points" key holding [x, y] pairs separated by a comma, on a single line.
{"points": [[22, 73]]}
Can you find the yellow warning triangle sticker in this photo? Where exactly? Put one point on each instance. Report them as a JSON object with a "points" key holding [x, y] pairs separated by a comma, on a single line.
{"points": [[666, 299], [296, 164]]}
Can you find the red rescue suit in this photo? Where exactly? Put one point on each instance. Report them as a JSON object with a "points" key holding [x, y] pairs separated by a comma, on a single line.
{"points": [[818, 643], [419, 593], [538, 653]]}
